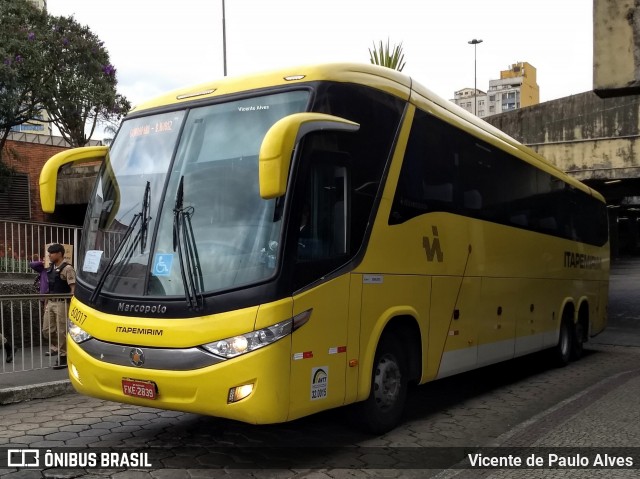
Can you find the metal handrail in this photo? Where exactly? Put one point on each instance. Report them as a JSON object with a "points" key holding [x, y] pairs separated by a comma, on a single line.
{"points": [[21, 332], [21, 240]]}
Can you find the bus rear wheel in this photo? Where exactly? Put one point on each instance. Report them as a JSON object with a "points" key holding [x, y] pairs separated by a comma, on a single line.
{"points": [[562, 351], [383, 409], [577, 343]]}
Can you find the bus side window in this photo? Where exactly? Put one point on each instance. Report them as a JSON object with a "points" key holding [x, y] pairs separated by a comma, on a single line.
{"points": [[429, 177], [323, 222], [323, 226]]}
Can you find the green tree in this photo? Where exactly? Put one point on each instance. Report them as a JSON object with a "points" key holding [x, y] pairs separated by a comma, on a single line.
{"points": [[110, 130], [83, 82], [56, 64], [387, 57], [24, 65]]}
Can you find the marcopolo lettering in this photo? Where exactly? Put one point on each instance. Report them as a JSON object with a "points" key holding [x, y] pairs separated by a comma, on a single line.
{"points": [[581, 261], [142, 308]]}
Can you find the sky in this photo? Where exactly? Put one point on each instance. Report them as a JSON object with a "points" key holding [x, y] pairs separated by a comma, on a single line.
{"points": [[160, 45]]}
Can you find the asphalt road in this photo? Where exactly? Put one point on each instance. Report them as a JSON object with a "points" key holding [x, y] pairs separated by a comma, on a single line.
{"points": [[623, 328]]}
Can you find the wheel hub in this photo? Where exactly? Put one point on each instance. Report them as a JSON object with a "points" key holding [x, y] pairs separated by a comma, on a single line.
{"points": [[387, 380]]}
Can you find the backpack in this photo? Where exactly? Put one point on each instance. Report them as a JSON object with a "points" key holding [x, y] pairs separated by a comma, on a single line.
{"points": [[36, 283]]}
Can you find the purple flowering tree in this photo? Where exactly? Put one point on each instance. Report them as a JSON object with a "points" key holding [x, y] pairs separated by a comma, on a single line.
{"points": [[23, 66], [83, 82], [55, 64]]}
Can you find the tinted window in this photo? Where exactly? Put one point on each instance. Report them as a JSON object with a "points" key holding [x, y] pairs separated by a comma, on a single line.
{"points": [[378, 115], [446, 169], [338, 177]]}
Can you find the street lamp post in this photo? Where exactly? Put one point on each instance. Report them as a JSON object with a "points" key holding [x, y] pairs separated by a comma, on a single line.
{"points": [[224, 41], [475, 42]]}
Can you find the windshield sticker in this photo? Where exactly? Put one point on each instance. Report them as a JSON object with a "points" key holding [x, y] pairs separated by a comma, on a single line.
{"points": [[319, 382], [162, 264], [92, 261]]}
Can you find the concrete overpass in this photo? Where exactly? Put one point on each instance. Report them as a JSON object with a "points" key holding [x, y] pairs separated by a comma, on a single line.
{"points": [[594, 136], [596, 140]]}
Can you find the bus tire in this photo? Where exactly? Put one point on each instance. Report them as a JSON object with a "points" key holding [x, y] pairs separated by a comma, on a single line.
{"points": [[577, 343], [383, 409], [562, 351]]}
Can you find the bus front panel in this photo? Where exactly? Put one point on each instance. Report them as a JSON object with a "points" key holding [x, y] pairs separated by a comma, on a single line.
{"points": [[251, 387]]}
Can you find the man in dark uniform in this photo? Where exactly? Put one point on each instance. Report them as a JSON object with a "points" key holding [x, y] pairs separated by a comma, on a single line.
{"points": [[62, 280]]}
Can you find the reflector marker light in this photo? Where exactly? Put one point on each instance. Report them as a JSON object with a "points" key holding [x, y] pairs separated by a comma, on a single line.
{"points": [[305, 355]]}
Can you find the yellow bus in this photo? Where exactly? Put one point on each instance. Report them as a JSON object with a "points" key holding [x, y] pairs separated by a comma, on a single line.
{"points": [[266, 247]]}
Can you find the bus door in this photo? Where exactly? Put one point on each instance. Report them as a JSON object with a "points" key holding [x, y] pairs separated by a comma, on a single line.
{"points": [[319, 347]]}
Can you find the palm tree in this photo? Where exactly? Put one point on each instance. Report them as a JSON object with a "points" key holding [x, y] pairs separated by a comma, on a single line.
{"points": [[111, 131], [386, 57]]}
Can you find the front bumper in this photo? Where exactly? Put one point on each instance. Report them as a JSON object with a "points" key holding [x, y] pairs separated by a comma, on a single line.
{"points": [[204, 390]]}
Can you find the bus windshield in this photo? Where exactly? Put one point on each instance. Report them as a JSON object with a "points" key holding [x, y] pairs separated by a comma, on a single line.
{"points": [[176, 210]]}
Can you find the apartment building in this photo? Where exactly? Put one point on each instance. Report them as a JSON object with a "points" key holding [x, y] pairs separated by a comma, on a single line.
{"points": [[466, 98], [517, 87]]}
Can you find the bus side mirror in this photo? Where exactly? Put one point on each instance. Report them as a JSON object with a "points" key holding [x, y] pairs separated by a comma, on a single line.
{"points": [[49, 173], [280, 141]]}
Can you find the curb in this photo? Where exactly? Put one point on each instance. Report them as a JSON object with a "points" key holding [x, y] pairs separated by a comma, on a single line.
{"points": [[36, 391]]}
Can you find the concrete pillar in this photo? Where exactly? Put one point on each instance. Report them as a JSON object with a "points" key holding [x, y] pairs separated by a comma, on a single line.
{"points": [[616, 47]]}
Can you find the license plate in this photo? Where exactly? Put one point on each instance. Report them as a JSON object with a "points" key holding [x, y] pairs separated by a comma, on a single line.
{"points": [[139, 389]]}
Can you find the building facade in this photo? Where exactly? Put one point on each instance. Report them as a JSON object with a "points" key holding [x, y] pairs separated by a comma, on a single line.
{"points": [[616, 48], [26, 154], [39, 3], [517, 87], [38, 126], [465, 98]]}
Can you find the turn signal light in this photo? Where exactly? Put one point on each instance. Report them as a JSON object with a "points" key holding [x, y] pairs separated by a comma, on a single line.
{"points": [[75, 373]]}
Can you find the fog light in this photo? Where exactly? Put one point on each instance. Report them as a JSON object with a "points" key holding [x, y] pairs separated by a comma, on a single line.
{"points": [[240, 392], [75, 373]]}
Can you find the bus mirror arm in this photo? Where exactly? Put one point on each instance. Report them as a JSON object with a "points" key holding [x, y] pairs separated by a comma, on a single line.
{"points": [[280, 142], [49, 173]]}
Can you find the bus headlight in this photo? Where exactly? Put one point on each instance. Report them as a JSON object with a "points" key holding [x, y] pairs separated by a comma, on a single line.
{"points": [[76, 332], [245, 343]]}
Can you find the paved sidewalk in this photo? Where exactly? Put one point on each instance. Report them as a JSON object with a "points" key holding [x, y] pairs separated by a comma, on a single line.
{"points": [[30, 376], [601, 416]]}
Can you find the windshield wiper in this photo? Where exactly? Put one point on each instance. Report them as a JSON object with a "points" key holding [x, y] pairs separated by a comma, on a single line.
{"points": [[106, 271], [141, 236], [146, 209], [183, 238]]}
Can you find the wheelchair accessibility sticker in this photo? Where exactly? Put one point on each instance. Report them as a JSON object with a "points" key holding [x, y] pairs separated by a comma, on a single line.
{"points": [[162, 264]]}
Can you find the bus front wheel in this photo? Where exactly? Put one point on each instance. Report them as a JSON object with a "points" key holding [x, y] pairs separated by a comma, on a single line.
{"points": [[383, 409]]}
